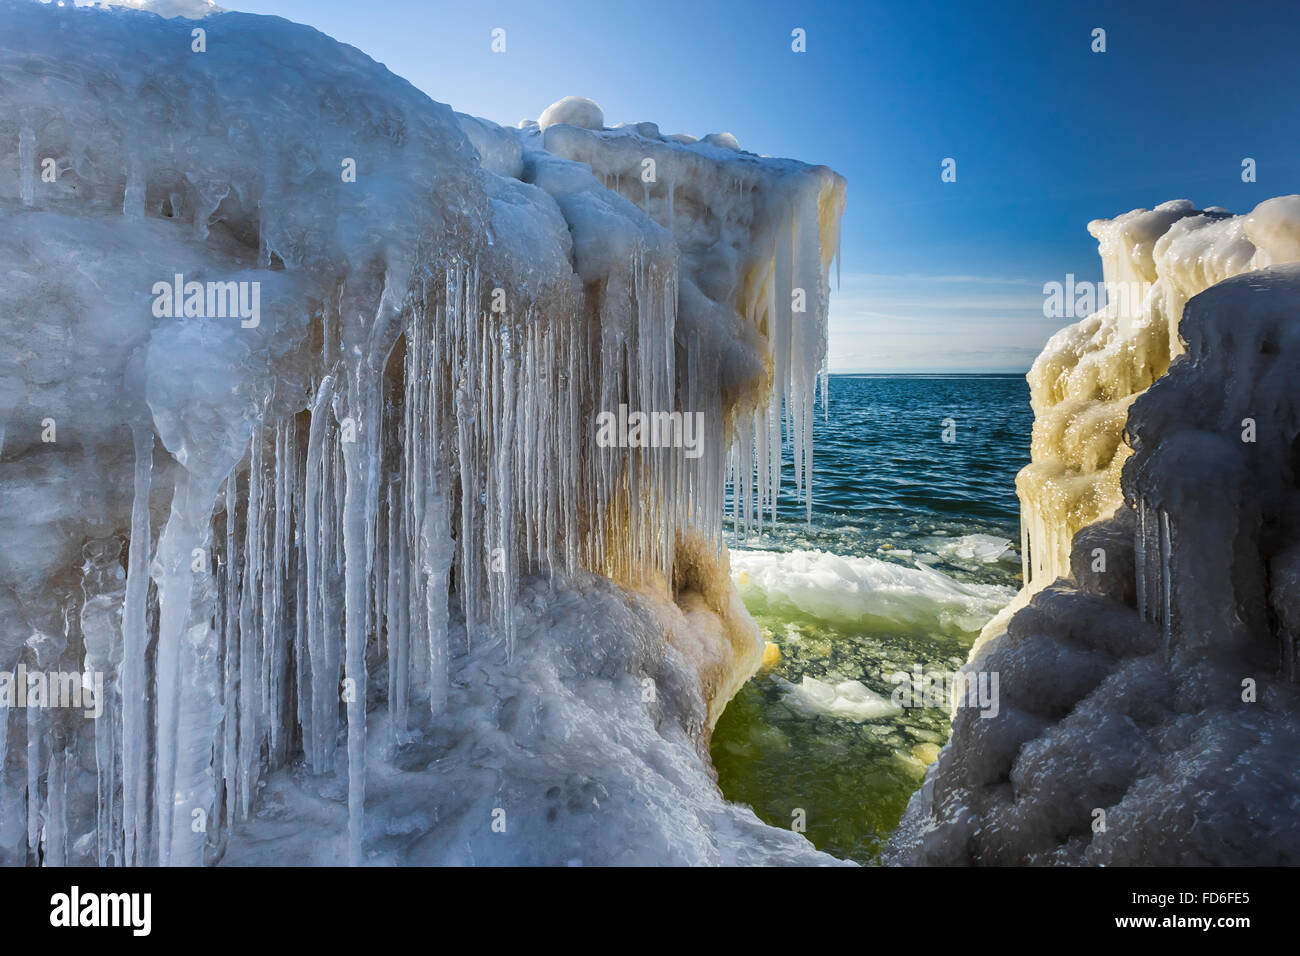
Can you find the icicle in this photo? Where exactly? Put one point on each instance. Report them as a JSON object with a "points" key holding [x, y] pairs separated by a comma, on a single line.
{"points": [[1166, 589], [248, 621], [135, 736], [274, 638], [230, 660], [1026, 568], [183, 679], [4, 740], [1140, 547], [35, 736], [56, 822], [324, 709], [101, 630], [133, 198], [354, 572], [397, 604]]}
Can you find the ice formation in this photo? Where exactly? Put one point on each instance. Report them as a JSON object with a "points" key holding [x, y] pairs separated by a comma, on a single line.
{"points": [[333, 547], [1150, 713], [1089, 373], [973, 549]]}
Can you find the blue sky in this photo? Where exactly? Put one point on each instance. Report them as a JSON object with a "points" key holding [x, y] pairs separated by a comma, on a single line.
{"points": [[1046, 134]]}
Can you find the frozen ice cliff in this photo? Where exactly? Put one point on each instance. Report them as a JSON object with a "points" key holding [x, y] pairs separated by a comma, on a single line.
{"points": [[300, 451], [1150, 713]]}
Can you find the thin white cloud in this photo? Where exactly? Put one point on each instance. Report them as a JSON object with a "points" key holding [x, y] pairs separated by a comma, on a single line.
{"points": [[913, 277], [913, 322]]}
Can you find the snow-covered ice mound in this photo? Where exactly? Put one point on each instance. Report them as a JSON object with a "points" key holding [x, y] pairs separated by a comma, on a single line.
{"points": [[303, 398], [585, 751]]}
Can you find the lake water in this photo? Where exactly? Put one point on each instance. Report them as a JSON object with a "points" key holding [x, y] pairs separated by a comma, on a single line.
{"points": [[913, 547]]}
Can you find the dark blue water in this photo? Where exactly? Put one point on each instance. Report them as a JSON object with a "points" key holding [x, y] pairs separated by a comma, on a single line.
{"points": [[885, 476], [913, 546]]}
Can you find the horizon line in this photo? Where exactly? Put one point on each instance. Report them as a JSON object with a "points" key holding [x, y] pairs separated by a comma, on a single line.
{"points": [[927, 371]]}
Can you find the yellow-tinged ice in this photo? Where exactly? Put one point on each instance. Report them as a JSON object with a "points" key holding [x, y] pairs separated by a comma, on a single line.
{"points": [[1089, 373]]}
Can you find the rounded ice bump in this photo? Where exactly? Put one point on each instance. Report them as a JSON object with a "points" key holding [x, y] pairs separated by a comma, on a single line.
{"points": [[572, 111], [722, 141]]}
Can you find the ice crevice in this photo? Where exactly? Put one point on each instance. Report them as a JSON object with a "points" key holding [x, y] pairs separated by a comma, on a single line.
{"points": [[361, 542]]}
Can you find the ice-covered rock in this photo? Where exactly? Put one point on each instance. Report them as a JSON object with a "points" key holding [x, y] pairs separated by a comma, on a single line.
{"points": [[299, 432], [1090, 372], [1150, 713]]}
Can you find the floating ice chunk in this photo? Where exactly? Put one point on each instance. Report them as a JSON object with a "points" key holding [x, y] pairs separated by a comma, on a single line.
{"points": [[846, 699], [973, 548], [839, 589]]}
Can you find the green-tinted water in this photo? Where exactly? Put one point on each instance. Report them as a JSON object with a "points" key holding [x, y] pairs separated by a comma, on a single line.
{"points": [[920, 525]]}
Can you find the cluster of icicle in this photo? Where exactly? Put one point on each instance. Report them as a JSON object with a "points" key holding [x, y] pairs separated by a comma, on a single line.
{"points": [[710, 196], [465, 459], [800, 353], [1153, 548], [798, 341]]}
